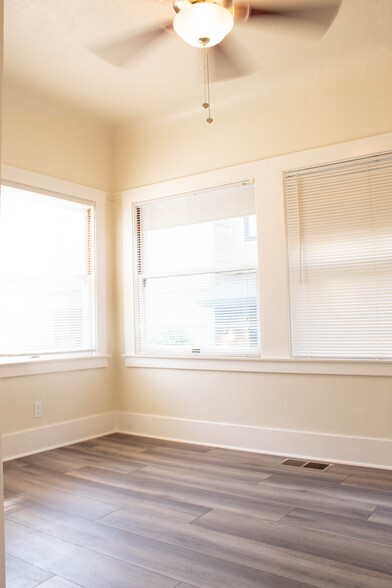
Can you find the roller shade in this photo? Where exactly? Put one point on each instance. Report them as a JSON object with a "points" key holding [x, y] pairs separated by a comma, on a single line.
{"points": [[339, 226], [196, 277], [47, 275]]}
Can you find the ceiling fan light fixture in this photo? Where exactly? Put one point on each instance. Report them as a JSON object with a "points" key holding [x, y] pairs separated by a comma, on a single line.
{"points": [[203, 24]]}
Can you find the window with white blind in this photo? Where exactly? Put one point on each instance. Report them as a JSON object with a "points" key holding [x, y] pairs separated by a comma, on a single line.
{"points": [[339, 225], [196, 274], [47, 275]]}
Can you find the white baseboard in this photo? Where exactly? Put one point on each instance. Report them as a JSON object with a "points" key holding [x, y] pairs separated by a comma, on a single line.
{"points": [[31, 441], [346, 449]]}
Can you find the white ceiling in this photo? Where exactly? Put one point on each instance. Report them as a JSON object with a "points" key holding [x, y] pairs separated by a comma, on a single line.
{"points": [[46, 51]]}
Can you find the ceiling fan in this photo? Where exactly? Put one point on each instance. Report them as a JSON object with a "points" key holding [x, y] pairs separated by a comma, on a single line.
{"points": [[207, 23]]}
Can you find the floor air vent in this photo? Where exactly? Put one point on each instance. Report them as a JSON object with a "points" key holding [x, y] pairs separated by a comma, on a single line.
{"points": [[314, 465], [299, 463], [309, 465]]}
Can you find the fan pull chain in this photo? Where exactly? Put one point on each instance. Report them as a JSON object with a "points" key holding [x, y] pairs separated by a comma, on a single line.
{"points": [[206, 68]]}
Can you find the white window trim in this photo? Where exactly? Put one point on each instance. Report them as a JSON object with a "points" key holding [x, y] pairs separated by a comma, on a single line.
{"points": [[169, 352], [58, 363], [273, 269], [268, 366]]}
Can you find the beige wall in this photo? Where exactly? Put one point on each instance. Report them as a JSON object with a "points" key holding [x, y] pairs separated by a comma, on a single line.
{"points": [[66, 396], [342, 405], [326, 107], [321, 108], [54, 140], [51, 138]]}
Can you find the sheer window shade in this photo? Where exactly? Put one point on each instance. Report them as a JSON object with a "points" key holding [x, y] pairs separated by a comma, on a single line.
{"points": [[47, 275], [196, 277], [339, 225]]}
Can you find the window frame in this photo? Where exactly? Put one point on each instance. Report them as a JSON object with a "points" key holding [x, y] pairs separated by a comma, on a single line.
{"points": [[272, 260], [41, 184], [138, 247], [356, 164]]}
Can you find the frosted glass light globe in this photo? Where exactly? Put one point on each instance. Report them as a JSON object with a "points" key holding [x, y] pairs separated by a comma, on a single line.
{"points": [[203, 24]]}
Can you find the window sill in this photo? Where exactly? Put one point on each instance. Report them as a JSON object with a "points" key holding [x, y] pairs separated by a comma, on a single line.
{"points": [[52, 365], [275, 366]]}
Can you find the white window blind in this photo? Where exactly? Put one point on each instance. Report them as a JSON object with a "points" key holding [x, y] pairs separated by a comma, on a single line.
{"points": [[47, 275], [339, 224], [196, 276]]}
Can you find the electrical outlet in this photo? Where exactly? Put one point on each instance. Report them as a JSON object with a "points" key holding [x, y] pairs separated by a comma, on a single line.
{"points": [[38, 409]]}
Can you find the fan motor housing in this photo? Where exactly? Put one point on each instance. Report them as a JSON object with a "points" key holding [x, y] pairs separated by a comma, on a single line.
{"points": [[180, 4]]}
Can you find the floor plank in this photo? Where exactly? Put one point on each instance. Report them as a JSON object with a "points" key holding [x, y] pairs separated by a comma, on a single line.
{"points": [[355, 553], [341, 526], [258, 506], [363, 500], [136, 441], [191, 477], [57, 582], [60, 500], [76, 457], [382, 515], [21, 574], [78, 564], [368, 482], [145, 458], [124, 510], [127, 498], [363, 471], [212, 459]]}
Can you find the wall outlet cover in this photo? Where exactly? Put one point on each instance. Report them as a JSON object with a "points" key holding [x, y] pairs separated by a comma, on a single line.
{"points": [[38, 409]]}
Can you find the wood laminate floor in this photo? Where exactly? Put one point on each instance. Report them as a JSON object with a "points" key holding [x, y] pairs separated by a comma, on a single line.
{"points": [[128, 512]]}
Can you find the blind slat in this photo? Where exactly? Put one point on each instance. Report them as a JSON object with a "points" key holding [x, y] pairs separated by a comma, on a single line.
{"points": [[339, 226]]}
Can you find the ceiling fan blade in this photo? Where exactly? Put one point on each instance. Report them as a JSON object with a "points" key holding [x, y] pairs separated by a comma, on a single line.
{"points": [[121, 52], [228, 61], [319, 16]]}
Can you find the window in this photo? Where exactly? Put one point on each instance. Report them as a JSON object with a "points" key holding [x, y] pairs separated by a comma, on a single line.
{"points": [[196, 276], [339, 224], [47, 275]]}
